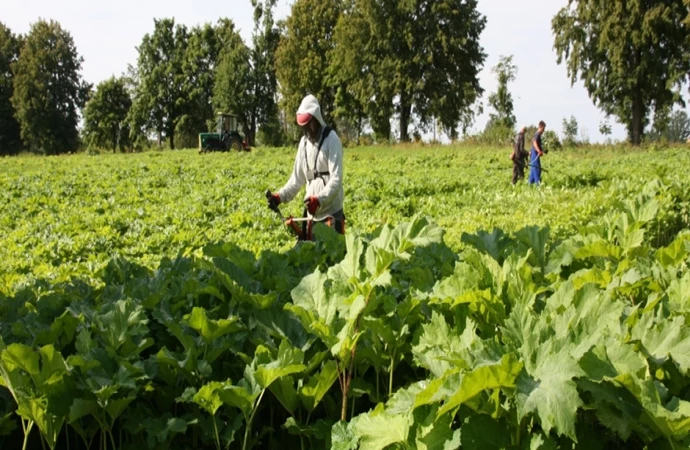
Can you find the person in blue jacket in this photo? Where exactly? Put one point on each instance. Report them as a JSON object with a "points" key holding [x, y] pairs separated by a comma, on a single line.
{"points": [[535, 155]]}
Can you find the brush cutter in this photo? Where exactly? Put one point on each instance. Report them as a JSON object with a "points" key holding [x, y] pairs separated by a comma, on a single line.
{"points": [[304, 233]]}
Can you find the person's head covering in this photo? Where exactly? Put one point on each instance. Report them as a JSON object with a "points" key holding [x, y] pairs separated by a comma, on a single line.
{"points": [[308, 110]]}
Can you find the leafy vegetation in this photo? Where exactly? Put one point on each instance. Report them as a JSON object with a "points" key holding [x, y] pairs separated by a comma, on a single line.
{"points": [[631, 56], [150, 301], [48, 90]]}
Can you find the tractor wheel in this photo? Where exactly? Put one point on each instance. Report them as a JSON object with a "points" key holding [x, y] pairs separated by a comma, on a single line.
{"points": [[236, 146]]}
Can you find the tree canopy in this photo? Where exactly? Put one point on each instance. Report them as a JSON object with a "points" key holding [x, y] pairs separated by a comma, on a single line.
{"points": [[10, 44], [421, 59], [48, 89], [303, 55], [502, 100], [631, 55], [105, 116], [160, 100]]}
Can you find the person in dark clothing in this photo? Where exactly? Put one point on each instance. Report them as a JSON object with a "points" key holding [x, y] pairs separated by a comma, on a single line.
{"points": [[535, 155], [519, 156]]}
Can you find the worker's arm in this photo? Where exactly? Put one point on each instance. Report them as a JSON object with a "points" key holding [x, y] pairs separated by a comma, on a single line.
{"points": [[298, 177], [335, 168]]}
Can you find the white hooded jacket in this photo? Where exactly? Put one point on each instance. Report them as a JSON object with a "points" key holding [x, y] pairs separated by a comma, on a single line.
{"points": [[327, 188]]}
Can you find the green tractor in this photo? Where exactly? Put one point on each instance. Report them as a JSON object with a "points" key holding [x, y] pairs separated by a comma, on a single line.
{"points": [[226, 138]]}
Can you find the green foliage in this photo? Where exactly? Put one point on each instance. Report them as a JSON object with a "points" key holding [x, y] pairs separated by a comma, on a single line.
{"points": [[159, 100], [629, 54], [264, 80], [502, 100], [551, 141], [10, 44], [304, 54], [410, 335], [570, 128], [232, 89], [414, 60], [675, 127], [48, 90], [105, 116], [199, 68], [605, 128]]}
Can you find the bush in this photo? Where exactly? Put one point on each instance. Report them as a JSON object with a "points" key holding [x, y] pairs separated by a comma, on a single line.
{"points": [[550, 141], [496, 135]]}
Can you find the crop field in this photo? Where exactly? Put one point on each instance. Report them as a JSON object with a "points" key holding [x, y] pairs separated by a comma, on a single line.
{"points": [[153, 301]]}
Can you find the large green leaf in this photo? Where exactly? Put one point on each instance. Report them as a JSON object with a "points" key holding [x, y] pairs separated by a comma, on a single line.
{"points": [[289, 361], [311, 296], [318, 385], [210, 329], [494, 244], [50, 424], [550, 392], [678, 294], [536, 239], [502, 375], [377, 430], [208, 396], [664, 338], [672, 419]]}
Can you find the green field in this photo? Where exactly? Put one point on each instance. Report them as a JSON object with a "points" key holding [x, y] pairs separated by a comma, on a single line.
{"points": [[67, 215], [153, 301]]}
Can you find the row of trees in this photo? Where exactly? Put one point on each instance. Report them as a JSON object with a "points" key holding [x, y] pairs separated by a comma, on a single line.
{"points": [[371, 63], [368, 61]]}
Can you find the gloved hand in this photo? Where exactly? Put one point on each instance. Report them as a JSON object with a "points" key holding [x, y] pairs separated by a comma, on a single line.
{"points": [[312, 204], [273, 201]]}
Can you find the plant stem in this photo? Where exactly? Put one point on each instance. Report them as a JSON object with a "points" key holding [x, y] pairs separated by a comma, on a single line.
{"points": [[112, 439], [390, 376], [251, 418], [215, 428], [27, 430], [343, 410]]}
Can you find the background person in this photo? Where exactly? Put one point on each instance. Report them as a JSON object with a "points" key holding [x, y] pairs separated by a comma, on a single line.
{"points": [[536, 154], [519, 156]]}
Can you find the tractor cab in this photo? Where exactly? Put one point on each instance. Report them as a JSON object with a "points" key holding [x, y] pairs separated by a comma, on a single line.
{"points": [[227, 123], [227, 136]]}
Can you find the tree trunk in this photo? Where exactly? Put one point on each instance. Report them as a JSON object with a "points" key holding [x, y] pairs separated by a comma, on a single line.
{"points": [[160, 139], [636, 125], [252, 132], [405, 112], [172, 141]]}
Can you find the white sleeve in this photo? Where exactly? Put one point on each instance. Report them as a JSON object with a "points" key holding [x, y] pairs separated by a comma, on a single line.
{"points": [[335, 168], [297, 179]]}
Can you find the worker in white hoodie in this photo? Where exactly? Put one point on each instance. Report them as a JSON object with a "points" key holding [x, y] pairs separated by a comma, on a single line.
{"points": [[319, 165]]}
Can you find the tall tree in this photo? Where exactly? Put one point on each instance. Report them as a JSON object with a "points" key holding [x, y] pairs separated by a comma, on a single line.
{"points": [[266, 38], [423, 56], [673, 127], [232, 91], [631, 55], [105, 116], [48, 89], [302, 58], [160, 99], [10, 140], [199, 68], [502, 100]]}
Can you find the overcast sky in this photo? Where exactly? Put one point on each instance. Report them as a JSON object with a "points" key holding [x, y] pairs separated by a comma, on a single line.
{"points": [[106, 34]]}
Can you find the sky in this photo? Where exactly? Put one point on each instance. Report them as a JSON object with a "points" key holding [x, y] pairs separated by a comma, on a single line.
{"points": [[106, 35]]}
